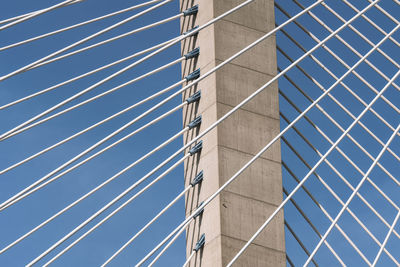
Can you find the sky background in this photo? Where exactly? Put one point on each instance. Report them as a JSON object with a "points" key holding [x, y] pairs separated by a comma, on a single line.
{"points": [[103, 242]]}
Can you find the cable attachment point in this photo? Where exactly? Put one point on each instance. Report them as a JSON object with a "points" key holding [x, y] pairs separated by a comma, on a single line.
{"points": [[197, 214], [189, 31], [191, 11], [194, 53], [193, 76], [196, 148], [200, 243], [198, 179], [193, 98], [194, 123]]}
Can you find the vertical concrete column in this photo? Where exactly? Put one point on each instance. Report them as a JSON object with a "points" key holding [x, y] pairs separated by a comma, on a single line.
{"points": [[233, 217]]}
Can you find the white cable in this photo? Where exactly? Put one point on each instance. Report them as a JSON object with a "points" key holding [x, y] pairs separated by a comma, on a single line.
{"points": [[105, 219], [91, 127], [329, 150], [74, 26], [94, 190], [37, 13], [84, 40], [358, 187], [189, 258], [146, 226], [31, 189], [386, 239], [107, 41], [95, 97]]}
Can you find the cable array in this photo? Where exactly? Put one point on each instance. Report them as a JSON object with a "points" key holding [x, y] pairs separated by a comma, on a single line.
{"points": [[339, 116]]}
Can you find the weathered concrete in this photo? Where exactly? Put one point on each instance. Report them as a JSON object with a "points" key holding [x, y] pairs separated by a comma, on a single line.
{"points": [[233, 217]]}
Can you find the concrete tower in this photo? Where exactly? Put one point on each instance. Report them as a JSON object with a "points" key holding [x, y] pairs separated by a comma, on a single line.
{"points": [[231, 219]]}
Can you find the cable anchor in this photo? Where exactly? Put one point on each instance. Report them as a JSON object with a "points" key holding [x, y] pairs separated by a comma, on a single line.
{"points": [[193, 76], [196, 148], [194, 123], [200, 243], [193, 98], [198, 179], [194, 53], [191, 11]]}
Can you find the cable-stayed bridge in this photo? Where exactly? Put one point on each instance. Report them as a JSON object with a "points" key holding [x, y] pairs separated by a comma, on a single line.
{"points": [[199, 133]]}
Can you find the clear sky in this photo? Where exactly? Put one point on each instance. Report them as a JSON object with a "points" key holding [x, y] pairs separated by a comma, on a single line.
{"points": [[97, 247]]}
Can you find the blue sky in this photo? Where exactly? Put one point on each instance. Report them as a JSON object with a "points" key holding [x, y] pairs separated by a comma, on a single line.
{"points": [[103, 242]]}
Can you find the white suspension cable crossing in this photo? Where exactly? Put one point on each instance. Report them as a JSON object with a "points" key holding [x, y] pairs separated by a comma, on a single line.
{"points": [[341, 176], [335, 100], [76, 25], [332, 192], [382, 247], [356, 190], [364, 16], [338, 59], [359, 55], [339, 150], [326, 154]]}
